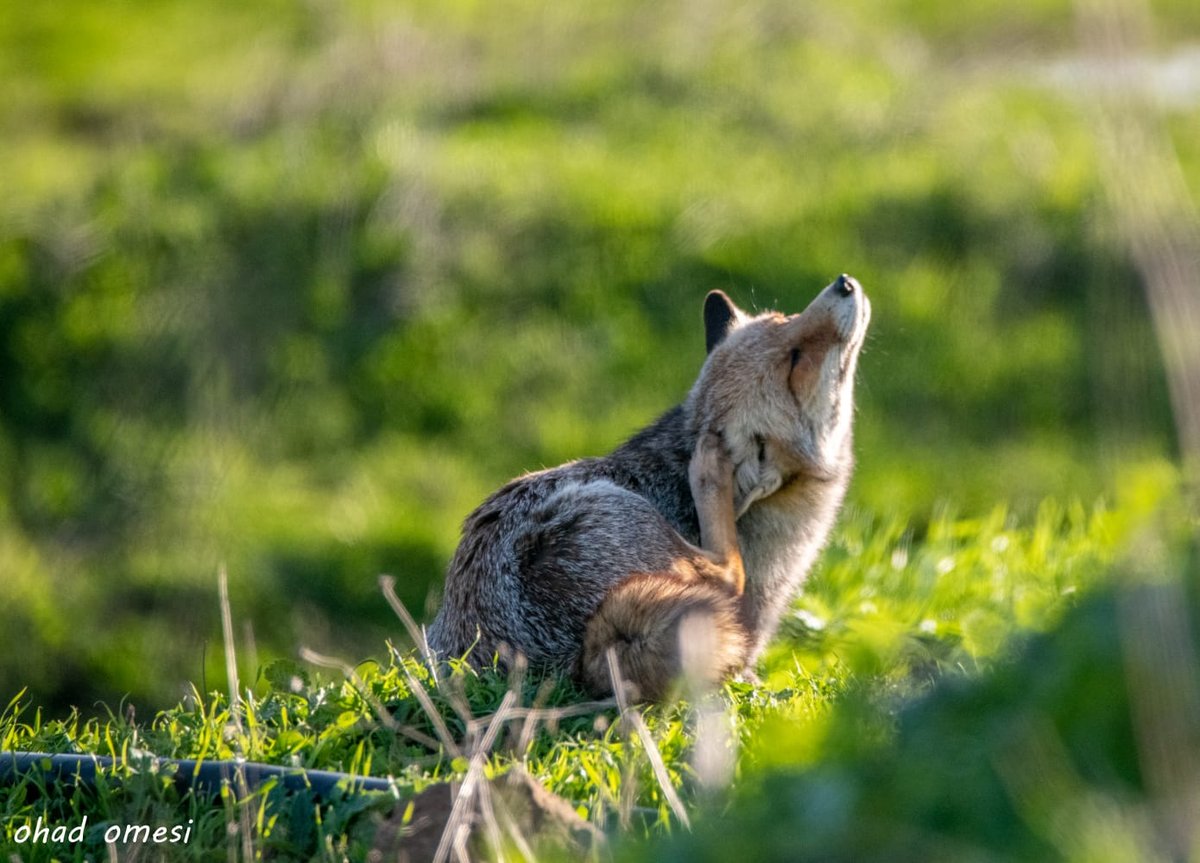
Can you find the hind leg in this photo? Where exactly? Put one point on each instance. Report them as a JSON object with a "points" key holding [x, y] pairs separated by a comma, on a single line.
{"points": [[683, 619], [711, 476], [661, 627]]}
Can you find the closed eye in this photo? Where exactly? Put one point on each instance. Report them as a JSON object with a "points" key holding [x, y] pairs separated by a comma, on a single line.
{"points": [[796, 354]]}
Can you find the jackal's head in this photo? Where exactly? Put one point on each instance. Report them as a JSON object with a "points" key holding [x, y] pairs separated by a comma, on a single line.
{"points": [[780, 388]]}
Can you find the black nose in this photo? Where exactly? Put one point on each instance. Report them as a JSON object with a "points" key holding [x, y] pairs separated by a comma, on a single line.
{"points": [[847, 285]]}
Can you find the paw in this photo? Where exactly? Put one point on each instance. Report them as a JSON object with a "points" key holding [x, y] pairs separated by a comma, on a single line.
{"points": [[755, 476], [753, 482], [748, 675]]}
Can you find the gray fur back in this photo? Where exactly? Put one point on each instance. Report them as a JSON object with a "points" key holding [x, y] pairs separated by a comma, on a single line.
{"points": [[537, 557]]}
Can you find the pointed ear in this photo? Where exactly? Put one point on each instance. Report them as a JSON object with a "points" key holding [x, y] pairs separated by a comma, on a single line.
{"points": [[720, 316]]}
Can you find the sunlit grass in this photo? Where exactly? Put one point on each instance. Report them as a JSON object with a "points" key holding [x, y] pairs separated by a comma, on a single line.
{"points": [[891, 610]]}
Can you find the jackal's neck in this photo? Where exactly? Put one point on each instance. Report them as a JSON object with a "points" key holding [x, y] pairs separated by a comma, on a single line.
{"points": [[654, 463], [670, 437]]}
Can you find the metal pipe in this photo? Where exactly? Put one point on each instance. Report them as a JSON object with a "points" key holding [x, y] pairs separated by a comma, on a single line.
{"points": [[201, 778]]}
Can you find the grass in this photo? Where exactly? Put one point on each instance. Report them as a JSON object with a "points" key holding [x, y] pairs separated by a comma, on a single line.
{"points": [[888, 615]]}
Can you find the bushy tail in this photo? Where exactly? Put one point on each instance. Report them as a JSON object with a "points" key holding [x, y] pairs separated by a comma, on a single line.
{"points": [[661, 627]]}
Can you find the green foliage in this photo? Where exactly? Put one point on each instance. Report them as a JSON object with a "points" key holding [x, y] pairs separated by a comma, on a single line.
{"points": [[293, 287], [855, 651], [1055, 755]]}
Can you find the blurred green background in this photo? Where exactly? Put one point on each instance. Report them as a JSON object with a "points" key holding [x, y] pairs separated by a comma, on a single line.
{"points": [[292, 286]]}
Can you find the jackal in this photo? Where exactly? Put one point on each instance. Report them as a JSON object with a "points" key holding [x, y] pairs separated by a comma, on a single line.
{"points": [[714, 512]]}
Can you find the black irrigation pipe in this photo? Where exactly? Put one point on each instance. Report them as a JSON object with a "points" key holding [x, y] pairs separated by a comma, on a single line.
{"points": [[202, 778]]}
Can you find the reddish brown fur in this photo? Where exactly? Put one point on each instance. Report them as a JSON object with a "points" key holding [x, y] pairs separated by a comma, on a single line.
{"points": [[641, 619]]}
